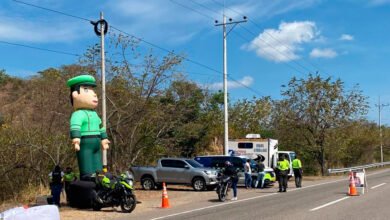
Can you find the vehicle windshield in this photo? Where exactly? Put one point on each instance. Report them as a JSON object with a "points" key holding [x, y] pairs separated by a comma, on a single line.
{"points": [[194, 164]]}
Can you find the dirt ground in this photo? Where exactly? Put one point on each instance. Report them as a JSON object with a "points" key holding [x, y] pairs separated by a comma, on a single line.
{"points": [[150, 200]]}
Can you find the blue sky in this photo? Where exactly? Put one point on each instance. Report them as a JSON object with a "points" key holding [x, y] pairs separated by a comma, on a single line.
{"points": [[346, 39]]}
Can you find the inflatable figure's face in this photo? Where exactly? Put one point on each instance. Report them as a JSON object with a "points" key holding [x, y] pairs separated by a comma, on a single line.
{"points": [[86, 99]]}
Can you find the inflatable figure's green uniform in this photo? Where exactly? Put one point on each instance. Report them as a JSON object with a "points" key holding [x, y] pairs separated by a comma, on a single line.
{"points": [[85, 124]]}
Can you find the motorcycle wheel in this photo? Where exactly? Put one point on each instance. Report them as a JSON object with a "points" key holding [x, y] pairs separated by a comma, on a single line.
{"points": [[129, 203], [96, 206], [221, 194]]}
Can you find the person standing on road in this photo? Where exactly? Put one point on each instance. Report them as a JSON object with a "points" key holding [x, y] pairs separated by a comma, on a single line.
{"points": [[248, 174], [283, 166], [232, 172], [297, 168], [260, 176]]}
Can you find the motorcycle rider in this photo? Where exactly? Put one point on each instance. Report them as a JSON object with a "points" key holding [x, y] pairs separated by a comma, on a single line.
{"points": [[232, 173]]}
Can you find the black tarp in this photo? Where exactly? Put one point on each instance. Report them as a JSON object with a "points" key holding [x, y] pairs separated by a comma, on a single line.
{"points": [[81, 194]]}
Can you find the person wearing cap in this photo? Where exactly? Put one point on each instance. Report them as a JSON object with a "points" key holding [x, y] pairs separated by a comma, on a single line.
{"points": [[87, 136]]}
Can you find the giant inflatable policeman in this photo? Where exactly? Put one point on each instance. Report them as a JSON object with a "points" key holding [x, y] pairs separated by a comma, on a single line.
{"points": [[88, 137]]}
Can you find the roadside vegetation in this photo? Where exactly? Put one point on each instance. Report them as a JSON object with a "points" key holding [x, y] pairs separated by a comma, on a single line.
{"points": [[154, 111]]}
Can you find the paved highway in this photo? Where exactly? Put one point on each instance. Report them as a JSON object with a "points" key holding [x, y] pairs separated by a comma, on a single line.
{"points": [[320, 200]]}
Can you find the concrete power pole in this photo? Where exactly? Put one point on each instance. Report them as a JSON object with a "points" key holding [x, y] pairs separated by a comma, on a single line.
{"points": [[101, 31], [225, 98], [380, 107], [103, 63]]}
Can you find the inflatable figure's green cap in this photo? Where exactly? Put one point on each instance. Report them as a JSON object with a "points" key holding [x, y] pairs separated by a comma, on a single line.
{"points": [[86, 80]]}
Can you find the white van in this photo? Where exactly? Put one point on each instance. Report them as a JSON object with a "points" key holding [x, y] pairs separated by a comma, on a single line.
{"points": [[253, 145]]}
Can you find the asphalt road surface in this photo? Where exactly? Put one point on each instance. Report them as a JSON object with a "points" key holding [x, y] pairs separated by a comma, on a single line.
{"points": [[315, 200]]}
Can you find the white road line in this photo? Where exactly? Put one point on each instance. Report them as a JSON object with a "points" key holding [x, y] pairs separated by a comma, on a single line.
{"points": [[328, 204], [256, 197], [377, 185], [213, 206]]}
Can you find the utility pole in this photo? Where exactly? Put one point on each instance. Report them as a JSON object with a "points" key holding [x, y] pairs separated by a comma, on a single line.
{"points": [[225, 98], [101, 31], [380, 107], [103, 63]]}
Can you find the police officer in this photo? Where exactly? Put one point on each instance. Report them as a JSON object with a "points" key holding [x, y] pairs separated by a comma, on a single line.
{"points": [[283, 166], [69, 176], [297, 168], [56, 184]]}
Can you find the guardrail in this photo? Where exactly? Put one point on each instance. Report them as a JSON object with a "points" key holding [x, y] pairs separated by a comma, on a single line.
{"points": [[342, 170]]}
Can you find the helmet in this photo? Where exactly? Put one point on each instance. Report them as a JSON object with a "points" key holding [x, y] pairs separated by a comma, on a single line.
{"points": [[227, 163]]}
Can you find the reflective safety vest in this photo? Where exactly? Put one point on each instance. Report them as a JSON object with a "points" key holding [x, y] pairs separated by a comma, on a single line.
{"points": [[283, 165], [296, 164], [68, 177]]}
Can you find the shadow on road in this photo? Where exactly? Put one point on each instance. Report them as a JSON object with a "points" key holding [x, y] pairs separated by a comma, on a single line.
{"points": [[215, 200]]}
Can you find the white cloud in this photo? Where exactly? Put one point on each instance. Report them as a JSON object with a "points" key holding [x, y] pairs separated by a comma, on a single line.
{"points": [[323, 53], [282, 44], [246, 81], [170, 20], [346, 37]]}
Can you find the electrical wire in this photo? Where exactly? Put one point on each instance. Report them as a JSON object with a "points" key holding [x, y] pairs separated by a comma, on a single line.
{"points": [[38, 48], [194, 10], [47, 9], [273, 56], [142, 40], [270, 35]]}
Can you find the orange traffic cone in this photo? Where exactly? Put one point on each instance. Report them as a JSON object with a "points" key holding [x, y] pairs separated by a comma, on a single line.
{"points": [[165, 201], [352, 188]]}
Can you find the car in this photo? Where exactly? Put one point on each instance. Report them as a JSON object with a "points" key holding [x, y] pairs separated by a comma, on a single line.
{"points": [[218, 162], [183, 171]]}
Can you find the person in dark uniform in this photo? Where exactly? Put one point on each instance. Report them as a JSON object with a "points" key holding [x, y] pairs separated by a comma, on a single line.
{"points": [[56, 184], [232, 172]]}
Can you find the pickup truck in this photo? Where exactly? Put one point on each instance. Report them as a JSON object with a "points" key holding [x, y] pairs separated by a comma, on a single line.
{"points": [[181, 171]]}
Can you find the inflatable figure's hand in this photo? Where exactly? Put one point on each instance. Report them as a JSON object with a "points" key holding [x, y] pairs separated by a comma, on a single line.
{"points": [[105, 143], [76, 143]]}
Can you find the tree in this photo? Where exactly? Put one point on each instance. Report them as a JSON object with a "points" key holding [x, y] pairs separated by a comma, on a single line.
{"points": [[311, 109], [250, 116]]}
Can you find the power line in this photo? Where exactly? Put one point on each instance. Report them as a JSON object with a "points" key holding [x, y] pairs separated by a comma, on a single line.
{"points": [[47, 9], [287, 64], [38, 48], [138, 38], [270, 45], [194, 10], [270, 35], [205, 7], [250, 88]]}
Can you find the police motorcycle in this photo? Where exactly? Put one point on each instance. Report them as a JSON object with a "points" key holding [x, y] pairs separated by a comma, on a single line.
{"points": [[224, 183], [115, 191]]}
